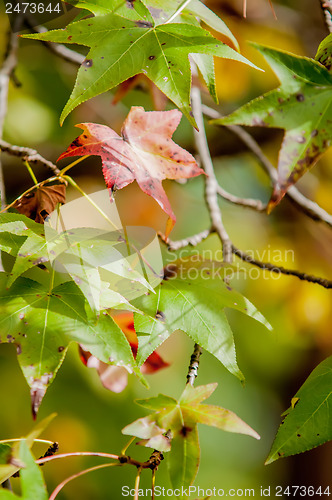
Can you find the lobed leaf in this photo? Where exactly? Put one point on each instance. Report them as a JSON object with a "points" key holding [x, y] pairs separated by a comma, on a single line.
{"points": [[121, 49], [302, 105], [308, 422]]}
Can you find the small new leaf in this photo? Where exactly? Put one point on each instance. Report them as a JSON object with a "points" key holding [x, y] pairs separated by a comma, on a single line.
{"points": [[302, 105], [179, 419]]}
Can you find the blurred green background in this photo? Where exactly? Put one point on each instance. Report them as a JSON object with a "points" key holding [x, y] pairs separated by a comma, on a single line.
{"points": [[275, 364]]}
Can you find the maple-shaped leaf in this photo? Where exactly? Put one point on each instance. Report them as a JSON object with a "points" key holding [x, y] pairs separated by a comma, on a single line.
{"points": [[40, 203], [122, 48], [302, 105], [144, 152], [179, 418], [192, 298], [115, 378], [41, 321]]}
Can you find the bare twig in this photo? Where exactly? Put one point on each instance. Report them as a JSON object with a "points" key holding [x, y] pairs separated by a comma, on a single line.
{"points": [[176, 245], [57, 48], [190, 241], [281, 270], [194, 364], [6, 71], [327, 11], [28, 154], [308, 207], [211, 184], [257, 205]]}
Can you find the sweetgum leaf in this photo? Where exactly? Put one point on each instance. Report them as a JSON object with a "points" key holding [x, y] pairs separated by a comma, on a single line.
{"points": [[195, 306], [308, 422], [302, 105], [121, 48], [144, 152], [180, 419], [42, 322]]}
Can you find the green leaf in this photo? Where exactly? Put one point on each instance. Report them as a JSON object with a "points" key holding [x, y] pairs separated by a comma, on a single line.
{"points": [[324, 52], [14, 460], [41, 323], [32, 481], [302, 105], [134, 11], [308, 422], [180, 419], [195, 306], [183, 460], [121, 49]]}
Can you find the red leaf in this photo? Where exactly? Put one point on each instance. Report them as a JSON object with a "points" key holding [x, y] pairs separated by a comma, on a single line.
{"points": [[114, 378], [144, 152]]}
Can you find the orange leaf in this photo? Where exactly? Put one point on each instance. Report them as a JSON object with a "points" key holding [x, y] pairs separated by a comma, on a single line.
{"points": [[144, 152]]}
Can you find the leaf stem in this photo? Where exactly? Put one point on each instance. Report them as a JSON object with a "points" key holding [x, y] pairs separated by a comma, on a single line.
{"points": [[43, 460], [22, 439], [137, 480], [65, 169], [32, 175], [90, 200], [178, 11], [74, 476], [123, 451]]}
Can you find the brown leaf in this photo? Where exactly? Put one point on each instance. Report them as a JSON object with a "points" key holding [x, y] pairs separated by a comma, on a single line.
{"points": [[41, 202]]}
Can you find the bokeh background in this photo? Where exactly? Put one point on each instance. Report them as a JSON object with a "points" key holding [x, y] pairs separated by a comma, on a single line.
{"points": [[275, 364]]}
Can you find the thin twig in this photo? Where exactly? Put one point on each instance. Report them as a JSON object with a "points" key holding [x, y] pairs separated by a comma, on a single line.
{"points": [[281, 270], [176, 245], [57, 48], [308, 207], [6, 72], [28, 154], [190, 241], [211, 184], [257, 205], [78, 474], [327, 11], [194, 364]]}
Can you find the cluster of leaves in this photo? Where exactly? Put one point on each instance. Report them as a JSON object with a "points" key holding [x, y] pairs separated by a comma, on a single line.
{"points": [[149, 37], [43, 310]]}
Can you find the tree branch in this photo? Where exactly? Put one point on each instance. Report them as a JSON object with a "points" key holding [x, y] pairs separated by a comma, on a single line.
{"points": [[308, 207], [257, 205], [6, 71], [57, 48], [28, 154], [211, 184], [326, 6], [176, 245], [194, 364]]}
